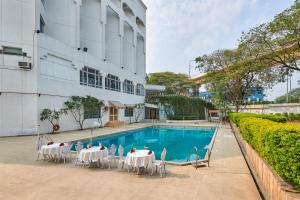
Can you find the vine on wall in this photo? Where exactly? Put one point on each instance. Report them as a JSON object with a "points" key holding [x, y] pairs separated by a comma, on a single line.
{"points": [[179, 107]]}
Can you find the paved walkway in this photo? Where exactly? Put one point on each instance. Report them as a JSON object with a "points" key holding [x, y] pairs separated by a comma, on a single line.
{"points": [[21, 177]]}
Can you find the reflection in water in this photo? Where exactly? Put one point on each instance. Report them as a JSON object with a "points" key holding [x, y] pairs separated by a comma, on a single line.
{"points": [[177, 140]]}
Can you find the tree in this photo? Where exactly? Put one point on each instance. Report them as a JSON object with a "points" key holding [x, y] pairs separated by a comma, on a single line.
{"points": [[81, 107], [138, 110], [175, 83], [294, 97], [277, 42], [264, 56], [51, 116], [230, 78]]}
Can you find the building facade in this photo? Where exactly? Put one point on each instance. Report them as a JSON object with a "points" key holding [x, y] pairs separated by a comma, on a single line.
{"points": [[51, 50]]}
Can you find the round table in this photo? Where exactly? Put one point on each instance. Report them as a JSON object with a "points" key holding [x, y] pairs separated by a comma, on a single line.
{"points": [[52, 150], [92, 154], [140, 158]]}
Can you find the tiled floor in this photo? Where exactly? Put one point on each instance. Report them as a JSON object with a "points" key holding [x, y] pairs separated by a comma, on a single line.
{"points": [[21, 177]]}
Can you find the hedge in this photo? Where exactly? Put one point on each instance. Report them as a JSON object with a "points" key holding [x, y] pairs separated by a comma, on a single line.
{"points": [[292, 116], [277, 143], [236, 117]]}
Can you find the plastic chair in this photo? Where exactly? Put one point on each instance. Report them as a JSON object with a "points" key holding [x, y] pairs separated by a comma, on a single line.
{"points": [[39, 143], [66, 152], [111, 156], [121, 157], [160, 164]]}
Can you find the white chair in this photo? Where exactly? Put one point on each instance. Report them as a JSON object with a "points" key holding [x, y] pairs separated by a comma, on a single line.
{"points": [[121, 157], [160, 164], [39, 143], [66, 152], [78, 148], [110, 157]]}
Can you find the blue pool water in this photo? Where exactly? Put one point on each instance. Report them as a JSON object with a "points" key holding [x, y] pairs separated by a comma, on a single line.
{"points": [[177, 140]]}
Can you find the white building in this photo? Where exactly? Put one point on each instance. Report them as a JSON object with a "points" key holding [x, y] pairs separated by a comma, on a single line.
{"points": [[79, 47]]}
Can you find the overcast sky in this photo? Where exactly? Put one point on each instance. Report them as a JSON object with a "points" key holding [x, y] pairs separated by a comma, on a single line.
{"points": [[180, 30]]}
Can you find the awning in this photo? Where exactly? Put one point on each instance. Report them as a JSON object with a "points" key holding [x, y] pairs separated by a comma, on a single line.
{"points": [[129, 105], [148, 105], [116, 104]]}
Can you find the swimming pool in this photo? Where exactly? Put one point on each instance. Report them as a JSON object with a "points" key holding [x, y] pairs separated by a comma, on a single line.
{"points": [[177, 140]]}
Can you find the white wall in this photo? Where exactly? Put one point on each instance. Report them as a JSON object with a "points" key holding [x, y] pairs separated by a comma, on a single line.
{"points": [[55, 76], [140, 56], [273, 108], [113, 39], [128, 48], [61, 21], [18, 99], [91, 27]]}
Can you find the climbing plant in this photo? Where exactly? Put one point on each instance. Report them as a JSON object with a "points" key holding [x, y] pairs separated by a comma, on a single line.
{"points": [[179, 107]]}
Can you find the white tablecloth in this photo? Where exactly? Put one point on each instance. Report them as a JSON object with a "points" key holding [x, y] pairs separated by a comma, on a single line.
{"points": [[53, 149], [92, 154], [140, 158]]}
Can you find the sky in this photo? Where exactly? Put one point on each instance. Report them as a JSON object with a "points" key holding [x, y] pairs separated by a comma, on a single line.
{"points": [[180, 30]]}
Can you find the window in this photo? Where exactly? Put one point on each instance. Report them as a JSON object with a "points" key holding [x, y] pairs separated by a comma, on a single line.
{"points": [[140, 90], [42, 24], [128, 112], [90, 77], [112, 83], [12, 51], [128, 87], [91, 115]]}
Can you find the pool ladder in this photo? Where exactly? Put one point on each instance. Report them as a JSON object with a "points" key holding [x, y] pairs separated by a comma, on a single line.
{"points": [[197, 156]]}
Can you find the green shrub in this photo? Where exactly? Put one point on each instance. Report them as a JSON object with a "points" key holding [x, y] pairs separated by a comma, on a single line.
{"points": [[236, 117], [277, 143]]}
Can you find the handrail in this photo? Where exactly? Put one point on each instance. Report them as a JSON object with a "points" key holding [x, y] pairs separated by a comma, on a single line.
{"points": [[197, 155]]}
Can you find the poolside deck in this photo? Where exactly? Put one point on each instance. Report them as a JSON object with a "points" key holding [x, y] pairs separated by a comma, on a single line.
{"points": [[21, 177]]}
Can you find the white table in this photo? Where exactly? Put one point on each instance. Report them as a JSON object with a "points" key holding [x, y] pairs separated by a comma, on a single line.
{"points": [[52, 150], [93, 154], [140, 158]]}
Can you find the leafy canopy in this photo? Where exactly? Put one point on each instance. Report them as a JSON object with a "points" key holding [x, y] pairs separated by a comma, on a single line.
{"points": [[175, 83], [78, 106]]}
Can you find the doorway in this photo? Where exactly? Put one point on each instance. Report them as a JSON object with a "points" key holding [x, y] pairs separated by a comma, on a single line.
{"points": [[113, 113]]}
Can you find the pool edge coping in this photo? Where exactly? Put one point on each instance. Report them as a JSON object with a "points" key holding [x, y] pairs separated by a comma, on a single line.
{"points": [[210, 146]]}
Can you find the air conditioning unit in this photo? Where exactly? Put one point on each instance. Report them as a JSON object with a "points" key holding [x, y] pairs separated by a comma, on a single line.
{"points": [[25, 65]]}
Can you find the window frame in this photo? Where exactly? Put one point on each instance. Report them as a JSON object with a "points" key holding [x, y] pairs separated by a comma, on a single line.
{"points": [[11, 52], [128, 112], [94, 115], [128, 87], [140, 89], [112, 83], [86, 73]]}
